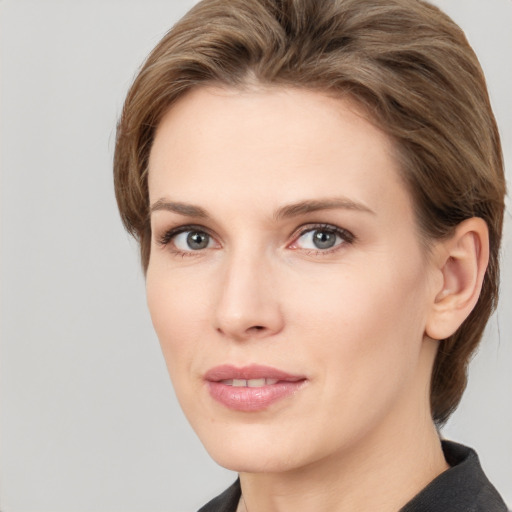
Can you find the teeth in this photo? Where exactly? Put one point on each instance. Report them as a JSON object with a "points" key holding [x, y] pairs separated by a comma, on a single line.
{"points": [[255, 383], [249, 383]]}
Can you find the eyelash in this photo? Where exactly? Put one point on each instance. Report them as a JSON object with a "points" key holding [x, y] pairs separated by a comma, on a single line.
{"points": [[346, 238], [166, 238]]}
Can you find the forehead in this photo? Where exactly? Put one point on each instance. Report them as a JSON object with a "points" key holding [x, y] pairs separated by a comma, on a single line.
{"points": [[275, 143]]}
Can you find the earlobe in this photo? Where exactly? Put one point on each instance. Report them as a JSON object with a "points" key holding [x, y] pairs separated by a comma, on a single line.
{"points": [[462, 261]]}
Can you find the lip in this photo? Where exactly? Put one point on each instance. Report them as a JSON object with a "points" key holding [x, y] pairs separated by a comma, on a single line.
{"points": [[251, 399]]}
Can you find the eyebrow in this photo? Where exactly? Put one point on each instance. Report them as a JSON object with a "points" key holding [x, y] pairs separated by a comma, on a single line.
{"points": [[284, 212], [314, 205], [186, 209]]}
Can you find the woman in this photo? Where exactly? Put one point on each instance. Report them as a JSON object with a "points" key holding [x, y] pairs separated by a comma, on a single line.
{"points": [[317, 189]]}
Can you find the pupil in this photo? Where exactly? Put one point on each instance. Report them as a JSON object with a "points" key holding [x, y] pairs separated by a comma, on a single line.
{"points": [[324, 239], [197, 240]]}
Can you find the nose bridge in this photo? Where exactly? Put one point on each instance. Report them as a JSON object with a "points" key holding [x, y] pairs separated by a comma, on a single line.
{"points": [[248, 303]]}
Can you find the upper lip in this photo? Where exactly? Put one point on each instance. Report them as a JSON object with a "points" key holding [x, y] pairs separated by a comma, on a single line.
{"points": [[253, 371]]}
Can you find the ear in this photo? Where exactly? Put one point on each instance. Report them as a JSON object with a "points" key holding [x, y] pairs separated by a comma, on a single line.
{"points": [[461, 261]]}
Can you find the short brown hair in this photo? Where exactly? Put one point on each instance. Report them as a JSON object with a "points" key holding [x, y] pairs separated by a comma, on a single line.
{"points": [[407, 64]]}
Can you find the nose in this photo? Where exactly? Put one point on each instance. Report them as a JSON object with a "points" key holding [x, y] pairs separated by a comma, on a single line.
{"points": [[248, 303]]}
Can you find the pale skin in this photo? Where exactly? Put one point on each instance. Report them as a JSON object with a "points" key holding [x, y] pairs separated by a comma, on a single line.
{"points": [[256, 175]]}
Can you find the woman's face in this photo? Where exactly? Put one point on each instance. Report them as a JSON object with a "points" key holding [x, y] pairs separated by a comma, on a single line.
{"points": [[286, 282]]}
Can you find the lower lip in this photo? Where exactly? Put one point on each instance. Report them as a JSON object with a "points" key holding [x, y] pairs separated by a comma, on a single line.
{"points": [[248, 399]]}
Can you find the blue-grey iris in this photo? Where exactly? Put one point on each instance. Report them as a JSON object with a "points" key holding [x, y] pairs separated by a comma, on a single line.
{"points": [[324, 239], [198, 240]]}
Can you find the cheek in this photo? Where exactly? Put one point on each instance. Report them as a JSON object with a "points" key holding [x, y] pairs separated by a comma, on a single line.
{"points": [[178, 316], [366, 319]]}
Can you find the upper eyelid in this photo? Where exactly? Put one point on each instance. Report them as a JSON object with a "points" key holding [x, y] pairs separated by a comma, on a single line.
{"points": [[167, 234], [319, 226]]}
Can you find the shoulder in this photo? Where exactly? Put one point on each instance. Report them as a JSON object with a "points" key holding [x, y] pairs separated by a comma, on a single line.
{"points": [[462, 488], [225, 502]]}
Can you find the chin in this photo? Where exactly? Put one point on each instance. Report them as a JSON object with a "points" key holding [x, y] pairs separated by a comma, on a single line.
{"points": [[250, 448], [244, 449], [253, 461]]}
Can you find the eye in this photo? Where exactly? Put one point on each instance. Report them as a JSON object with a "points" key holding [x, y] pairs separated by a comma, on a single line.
{"points": [[322, 238], [187, 239], [192, 240], [318, 239]]}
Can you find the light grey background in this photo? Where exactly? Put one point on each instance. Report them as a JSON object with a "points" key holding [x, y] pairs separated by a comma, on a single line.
{"points": [[88, 418]]}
